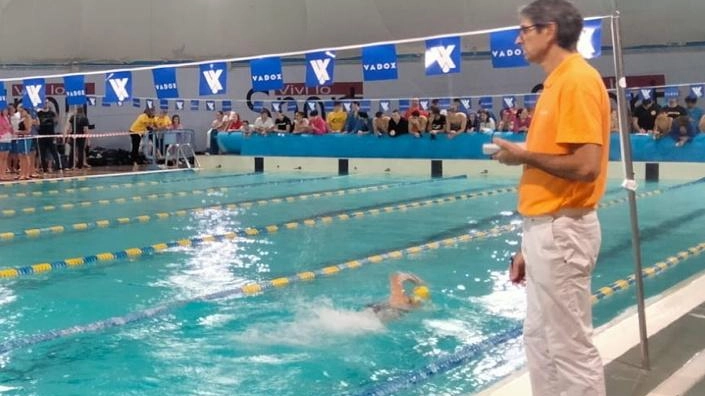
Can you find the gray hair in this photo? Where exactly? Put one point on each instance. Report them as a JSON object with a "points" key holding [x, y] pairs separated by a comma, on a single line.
{"points": [[569, 22]]}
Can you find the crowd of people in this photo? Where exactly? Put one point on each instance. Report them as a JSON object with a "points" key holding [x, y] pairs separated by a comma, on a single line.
{"points": [[30, 148], [149, 121], [680, 123]]}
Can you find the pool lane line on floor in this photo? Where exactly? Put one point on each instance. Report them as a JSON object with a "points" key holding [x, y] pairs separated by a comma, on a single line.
{"points": [[108, 187], [135, 252], [471, 352], [83, 178], [150, 197], [144, 218]]}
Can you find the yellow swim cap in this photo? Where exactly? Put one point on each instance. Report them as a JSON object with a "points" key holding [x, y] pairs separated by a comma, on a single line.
{"points": [[421, 293]]}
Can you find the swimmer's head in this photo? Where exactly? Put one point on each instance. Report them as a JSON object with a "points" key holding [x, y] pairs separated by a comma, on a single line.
{"points": [[420, 294]]}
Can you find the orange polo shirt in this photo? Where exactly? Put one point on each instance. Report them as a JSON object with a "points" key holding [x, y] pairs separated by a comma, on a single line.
{"points": [[572, 109]]}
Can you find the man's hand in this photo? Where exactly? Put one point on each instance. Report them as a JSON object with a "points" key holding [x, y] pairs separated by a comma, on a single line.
{"points": [[509, 153], [517, 269]]}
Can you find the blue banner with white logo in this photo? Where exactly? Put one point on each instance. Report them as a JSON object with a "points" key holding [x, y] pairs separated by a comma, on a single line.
{"points": [[91, 100], [179, 104], [443, 103], [34, 93], [210, 105], [647, 94], [136, 102], [379, 62], [257, 106], [165, 83], [118, 87], [486, 102], [697, 91], [384, 106], [442, 56], [671, 92], [293, 106], [320, 68], [3, 96], [75, 87], [365, 105], [504, 50], [149, 103], [277, 106], [105, 102], [404, 104], [227, 105], [163, 104], [590, 41], [466, 103], [213, 79], [266, 74], [310, 106], [424, 104], [509, 102], [195, 105], [530, 100]]}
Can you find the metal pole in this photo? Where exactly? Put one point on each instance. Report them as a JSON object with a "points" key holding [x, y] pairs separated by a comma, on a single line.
{"points": [[629, 183]]}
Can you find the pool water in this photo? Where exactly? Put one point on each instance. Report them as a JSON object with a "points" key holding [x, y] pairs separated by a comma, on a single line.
{"points": [[311, 337]]}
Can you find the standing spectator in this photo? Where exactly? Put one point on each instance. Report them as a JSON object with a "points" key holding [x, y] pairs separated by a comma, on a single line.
{"points": [[143, 123], [264, 123], [79, 126], [317, 124], [398, 125], [417, 124], [506, 120], [176, 122], [644, 117], [614, 120], [23, 145], [380, 124], [523, 120], [162, 121], [336, 118], [695, 113], [220, 123], [662, 125], [300, 123], [352, 118], [283, 123], [673, 109], [486, 123], [47, 144], [363, 125], [5, 142], [234, 122], [473, 122], [416, 106], [564, 177], [457, 121], [436, 122]]}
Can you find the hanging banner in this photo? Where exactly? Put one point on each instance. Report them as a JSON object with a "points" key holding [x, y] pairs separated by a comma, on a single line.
{"points": [[3, 96], [276, 107], [266, 74], [697, 91], [165, 83], [149, 103], [365, 105], [105, 102], [310, 106], [504, 50], [293, 106], [509, 102], [34, 93], [179, 104], [226, 105], [466, 103], [647, 94], [442, 56], [213, 79], [210, 105], [91, 100], [320, 67], [136, 102], [75, 87], [379, 62], [163, 104], [118, 87], [486, 102], [443, 103], [404, 104], [590, 41], [424, 104], [257, 106], [671, 92], [530, 100], [384, 105], [195, 105]]}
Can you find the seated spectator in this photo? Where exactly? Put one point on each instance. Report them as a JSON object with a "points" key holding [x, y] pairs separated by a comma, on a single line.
{"points": [[246, 128], [506, 121], [336, 118], [176, 122], [456, 121], [300, 123], [522, 122], [662, 125], [486, 122], [674, 110], [417, 124], [695, 113], [473, 122], [352, 117], [415, 106], [283, 123], [398, 125], [234, 122], [682, 131], [380, 124], [317, 123], [220, 123], [264, 123], [644, 117], [363, 125], [436, 122]]}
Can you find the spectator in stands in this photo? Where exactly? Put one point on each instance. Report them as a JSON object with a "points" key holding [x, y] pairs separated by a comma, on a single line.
{"points": [[300, 123], [456, 121], [398, 125], [5, 142], [473, 122], [506, 121], [143, 123], [682, 131], [220, 123], [246, 128], [352, 118], [264, 123], [415, 106], [695, 113], [336, 118], [282, 123], [522, 122], [234, 122], [673, 109], [79, 125], [47, 145], [614, 120], [644, 116], [436, 122], [176, 122], [22, 145], [486, 122], [317, 123], [417, 124], [662, 125], [380, 124], [363, 126], [162, 121]]}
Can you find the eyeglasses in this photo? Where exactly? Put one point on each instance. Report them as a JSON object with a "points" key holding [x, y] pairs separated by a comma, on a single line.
{"points": [[526, 29]]}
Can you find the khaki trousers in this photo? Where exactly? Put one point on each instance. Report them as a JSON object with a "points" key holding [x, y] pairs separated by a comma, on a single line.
{"points": [[560, 253]]}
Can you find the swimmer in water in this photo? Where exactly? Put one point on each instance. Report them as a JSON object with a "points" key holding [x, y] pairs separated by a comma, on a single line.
{"points": [[399, 302]]}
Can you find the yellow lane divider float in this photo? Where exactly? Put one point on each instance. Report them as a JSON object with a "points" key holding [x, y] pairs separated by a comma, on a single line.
{"points": [[144, 218]]}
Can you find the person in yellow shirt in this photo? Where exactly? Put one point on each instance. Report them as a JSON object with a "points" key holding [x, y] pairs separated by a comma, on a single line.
{"points": [[336, 118], [162, 121], [143, 123], [565, 171]]}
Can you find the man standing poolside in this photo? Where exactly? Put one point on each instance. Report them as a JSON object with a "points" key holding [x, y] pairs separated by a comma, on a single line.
{"points": [[565, 169]]}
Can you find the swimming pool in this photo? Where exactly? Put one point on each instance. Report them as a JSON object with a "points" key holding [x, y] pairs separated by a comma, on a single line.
{"points": [[203, 317]]}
